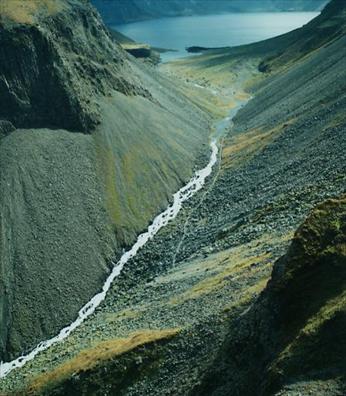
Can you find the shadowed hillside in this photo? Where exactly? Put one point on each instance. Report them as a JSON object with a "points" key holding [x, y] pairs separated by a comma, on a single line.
{"points": [[293, 337]]}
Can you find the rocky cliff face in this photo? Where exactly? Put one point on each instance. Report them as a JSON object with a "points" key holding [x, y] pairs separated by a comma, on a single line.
{"points": [[92, 145], [56, 65]]}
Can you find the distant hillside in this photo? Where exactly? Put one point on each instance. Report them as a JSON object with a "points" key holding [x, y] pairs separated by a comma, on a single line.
{"points": [[274, 53], [123, 11]]}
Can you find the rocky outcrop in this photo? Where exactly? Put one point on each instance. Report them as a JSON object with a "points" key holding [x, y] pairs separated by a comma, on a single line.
{"points": [[138, 50], [294, 333], [307, 296], [5, 128], [50, 72]]}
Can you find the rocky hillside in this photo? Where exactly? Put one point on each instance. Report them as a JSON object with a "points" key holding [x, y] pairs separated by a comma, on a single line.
{"points": [[92, 145], [229, 299], [43, 77], [122, 11], [292, 340]]}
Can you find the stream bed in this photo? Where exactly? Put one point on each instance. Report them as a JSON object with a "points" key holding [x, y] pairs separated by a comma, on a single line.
{"points": [[195, 184]]}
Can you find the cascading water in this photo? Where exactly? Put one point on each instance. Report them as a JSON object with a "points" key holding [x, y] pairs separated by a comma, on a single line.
{"points": [[160, 221], [186, 192]]}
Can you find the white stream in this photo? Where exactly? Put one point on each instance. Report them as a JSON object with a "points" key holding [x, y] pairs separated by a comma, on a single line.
{"points": [[186, 192]]}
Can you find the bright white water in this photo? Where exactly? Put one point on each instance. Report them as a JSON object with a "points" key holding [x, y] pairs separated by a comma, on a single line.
{"points": [[194, 185]]}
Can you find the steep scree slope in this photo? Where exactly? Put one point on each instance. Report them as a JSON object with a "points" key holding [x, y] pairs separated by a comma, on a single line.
{"points": [[87, 156]]}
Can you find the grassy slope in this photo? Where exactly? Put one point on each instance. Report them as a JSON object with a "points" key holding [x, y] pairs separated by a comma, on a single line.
{"points": [[95, 359], [301, 105], [26, 11], [132, 152]]}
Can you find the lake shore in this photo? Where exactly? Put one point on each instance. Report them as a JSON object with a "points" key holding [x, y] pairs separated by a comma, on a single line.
{"points": [[227, 30]]}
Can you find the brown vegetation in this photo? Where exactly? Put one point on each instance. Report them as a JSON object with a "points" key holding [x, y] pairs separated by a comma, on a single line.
{"points": [[90, 358], [26, 12]]}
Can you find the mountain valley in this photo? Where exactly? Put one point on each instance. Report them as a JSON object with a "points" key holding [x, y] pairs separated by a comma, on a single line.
{"points": [[243, 293]]}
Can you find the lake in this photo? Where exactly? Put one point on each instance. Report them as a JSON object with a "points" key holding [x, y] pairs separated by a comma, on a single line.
{"points": [[212, 30]]}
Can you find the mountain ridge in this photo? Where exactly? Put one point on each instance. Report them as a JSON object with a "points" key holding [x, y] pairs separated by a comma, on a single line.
{"points": [[120, 11]]}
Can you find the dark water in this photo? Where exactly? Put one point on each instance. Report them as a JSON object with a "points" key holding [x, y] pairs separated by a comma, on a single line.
{"points": [[213, 30]]}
